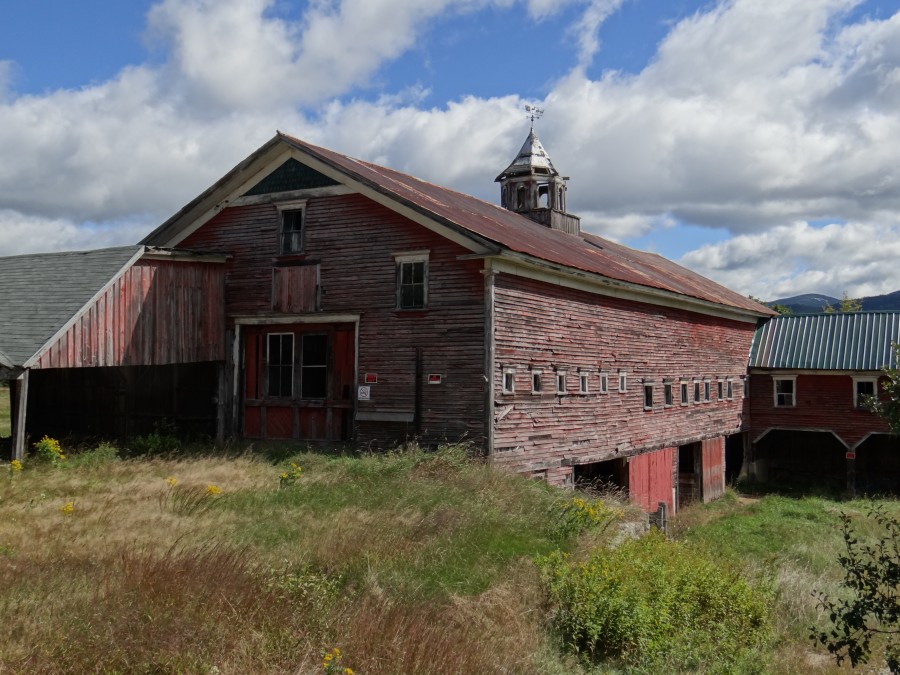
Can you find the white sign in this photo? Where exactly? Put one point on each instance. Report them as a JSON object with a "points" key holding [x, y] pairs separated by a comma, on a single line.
{"points": [[364, 393]]}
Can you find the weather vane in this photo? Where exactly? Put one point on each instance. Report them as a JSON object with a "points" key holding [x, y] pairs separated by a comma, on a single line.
{"points": [[533, 113]]}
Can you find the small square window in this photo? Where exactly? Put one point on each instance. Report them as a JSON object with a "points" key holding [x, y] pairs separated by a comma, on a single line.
{"points": [[509, 380], [729, 389], [667, 394], [684, 392], [561, 382], [535, 381], [604, 382], [648, 397], [583, 382], [785, 394], [623, 380], [863, 388]]}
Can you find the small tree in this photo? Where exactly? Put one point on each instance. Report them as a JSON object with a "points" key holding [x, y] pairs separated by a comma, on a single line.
{"points": [[888, 405], [872, 577], [845, 304]]}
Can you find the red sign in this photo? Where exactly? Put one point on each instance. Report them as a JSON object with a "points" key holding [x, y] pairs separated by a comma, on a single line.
{"points": [[851, 455], [434, 379], [371, 378]]}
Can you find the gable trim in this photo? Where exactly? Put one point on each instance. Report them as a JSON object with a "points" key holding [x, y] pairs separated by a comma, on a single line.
{"points": [[84, 308]]}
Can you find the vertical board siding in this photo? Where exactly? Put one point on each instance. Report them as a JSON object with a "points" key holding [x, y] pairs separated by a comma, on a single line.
{"points": [[294, 289], [353, 240], [822, 403], [713, 465], [650, 479], [548, 327], [157, 313]]}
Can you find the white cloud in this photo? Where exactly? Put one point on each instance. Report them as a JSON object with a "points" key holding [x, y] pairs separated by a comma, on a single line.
{"points": [[19, 233]]}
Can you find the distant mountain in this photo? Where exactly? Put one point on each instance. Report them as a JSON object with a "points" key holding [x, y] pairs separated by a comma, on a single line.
{"points": [[813, 302]]}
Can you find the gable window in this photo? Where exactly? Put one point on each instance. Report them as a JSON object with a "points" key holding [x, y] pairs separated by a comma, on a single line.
{"points": [[292, 227], [863, 388], [412, 280], [561, 382], [785, 392], [509, 380], [280, 365], [535, 381], [648, 395], [667, 394], [604, 382], [623, 380], [583, 382], [684, 392], [729, 389]]}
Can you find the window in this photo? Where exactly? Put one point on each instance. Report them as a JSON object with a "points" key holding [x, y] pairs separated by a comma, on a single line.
{"points": [[696, 391], [706, 389], [314, 367], [412, 280], [729, 389], [648, 396], [684, 392], [509, 380], [280, 365], [667, 394], [720, 389], [292, 223], [785, 392], [623, 380], [535, 381], [604, 382], [560, 381], [863, 387], [583, 382]]}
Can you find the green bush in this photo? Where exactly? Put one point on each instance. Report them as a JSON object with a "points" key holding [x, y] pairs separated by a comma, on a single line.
{"points": [[652, 603]]}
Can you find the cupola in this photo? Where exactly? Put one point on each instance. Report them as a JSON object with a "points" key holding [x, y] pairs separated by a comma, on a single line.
{"points": [[532, 186]]}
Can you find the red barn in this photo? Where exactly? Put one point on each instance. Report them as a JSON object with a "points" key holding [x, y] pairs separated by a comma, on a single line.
{"points": [[363, 304], [807, 374]]}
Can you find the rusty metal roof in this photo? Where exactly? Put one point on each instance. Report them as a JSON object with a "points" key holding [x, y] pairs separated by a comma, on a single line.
{"points": [[532, 159], [834, 341], [513, 232]]}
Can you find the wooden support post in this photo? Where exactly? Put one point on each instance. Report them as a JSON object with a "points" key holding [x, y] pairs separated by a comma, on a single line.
{"points": [[18, 415], [221, 396]]}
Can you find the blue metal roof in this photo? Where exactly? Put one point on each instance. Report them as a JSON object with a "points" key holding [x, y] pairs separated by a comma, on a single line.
{"points": [[834, 341]]}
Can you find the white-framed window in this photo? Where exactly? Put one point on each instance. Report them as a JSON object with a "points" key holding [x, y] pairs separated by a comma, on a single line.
{"points": [[706, 391], [280, 365], [584, 382], [623, 381], [292, 226], [604, 382], [561, 382], [785, 392], [412, 279], [729, 389], [668, 397], [509, 380], [648, 395], [720, 390], [863, 387], [536, 381], [683, 387], [697, 391]]}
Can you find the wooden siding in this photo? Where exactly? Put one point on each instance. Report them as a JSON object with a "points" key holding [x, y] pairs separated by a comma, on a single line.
{"points": [[547, 327], [156, 313], [713, 467], [354, 241], [823, 403], [650, 479], [295, 289]]}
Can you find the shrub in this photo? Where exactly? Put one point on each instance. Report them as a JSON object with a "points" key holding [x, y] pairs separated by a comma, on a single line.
{"points": [[162, 441], [49, 450], [652, 603], [579, 514]]}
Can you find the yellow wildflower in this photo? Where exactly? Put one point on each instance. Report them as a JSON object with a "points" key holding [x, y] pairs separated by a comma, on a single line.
{"points": [[67, 508], [15, 466], [172, 481], [213, 490]]}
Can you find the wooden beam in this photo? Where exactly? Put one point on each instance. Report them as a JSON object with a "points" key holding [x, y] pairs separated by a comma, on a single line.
{"points": [[18, 416]]}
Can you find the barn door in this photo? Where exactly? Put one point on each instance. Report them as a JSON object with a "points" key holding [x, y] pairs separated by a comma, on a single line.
{"points": [[298, 382]]}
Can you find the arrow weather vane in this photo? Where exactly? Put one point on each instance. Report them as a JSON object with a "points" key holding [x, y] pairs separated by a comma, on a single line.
{"points": [[533, 113]]}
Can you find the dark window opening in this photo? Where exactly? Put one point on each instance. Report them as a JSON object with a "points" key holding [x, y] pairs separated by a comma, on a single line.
{"points": [[696, 392], [667, 393], [280, 365], [684, 393], [411, 285], [864, 389], [314, 367], [535, 383], [292, 231], [784, 393], [648, 396]]}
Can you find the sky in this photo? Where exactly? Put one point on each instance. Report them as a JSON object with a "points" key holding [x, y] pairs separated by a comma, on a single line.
{"points": [[756, 142]]}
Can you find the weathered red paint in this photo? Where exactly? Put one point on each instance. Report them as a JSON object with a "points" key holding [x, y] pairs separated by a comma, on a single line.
{"points": [[650, 479], [713, 467]]}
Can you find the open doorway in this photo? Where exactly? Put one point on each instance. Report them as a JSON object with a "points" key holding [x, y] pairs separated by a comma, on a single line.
{"points": [[611, 475], [689, 473]]}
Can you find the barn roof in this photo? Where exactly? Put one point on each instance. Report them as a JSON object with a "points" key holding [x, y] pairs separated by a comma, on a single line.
{"points": [[834, 341], [494, 228], [43, 291]]}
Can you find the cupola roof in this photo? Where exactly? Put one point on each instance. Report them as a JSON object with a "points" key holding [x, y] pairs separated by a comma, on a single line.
{"points": [[532, 159]]}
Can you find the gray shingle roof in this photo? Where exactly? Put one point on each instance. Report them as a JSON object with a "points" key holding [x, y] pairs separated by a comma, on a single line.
{"points": [[838, 341], [39, 294]]}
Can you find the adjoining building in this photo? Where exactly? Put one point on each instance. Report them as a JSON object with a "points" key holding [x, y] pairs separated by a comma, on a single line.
{"points": [[365, 305], [808, 376]]}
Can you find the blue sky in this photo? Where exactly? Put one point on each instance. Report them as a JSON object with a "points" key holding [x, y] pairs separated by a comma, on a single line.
{"points": [[755, 141]]}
